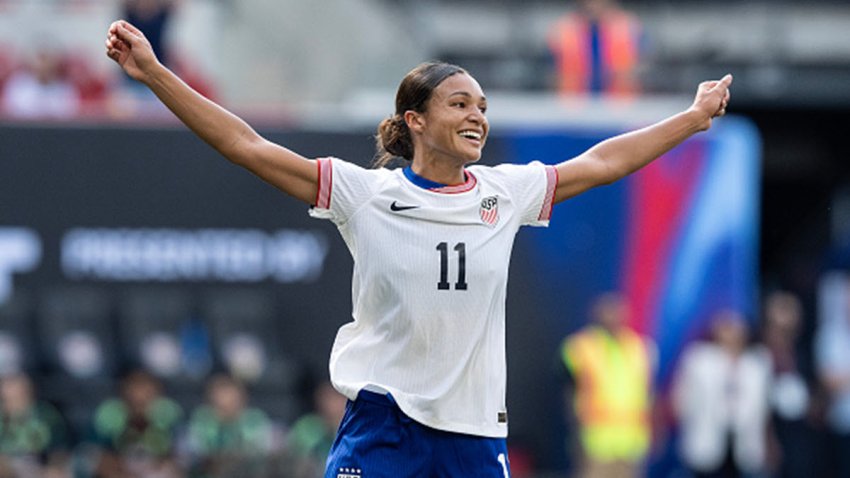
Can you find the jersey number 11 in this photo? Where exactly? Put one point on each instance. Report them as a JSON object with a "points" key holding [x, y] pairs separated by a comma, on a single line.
{"points": [[460, 248]]}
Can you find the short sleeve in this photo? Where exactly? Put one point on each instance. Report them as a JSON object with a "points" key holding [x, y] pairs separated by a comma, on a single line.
{"points": [[343, 187], [532, 188]]}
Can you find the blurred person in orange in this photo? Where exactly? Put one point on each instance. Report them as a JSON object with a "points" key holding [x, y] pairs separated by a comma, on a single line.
{"points": [[34, 439], [720, 397], [610, 369], [597, 49]]}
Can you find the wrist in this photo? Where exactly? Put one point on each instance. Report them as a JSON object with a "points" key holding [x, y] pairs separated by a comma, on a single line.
{"points": [[697, 119], [152, 73]]}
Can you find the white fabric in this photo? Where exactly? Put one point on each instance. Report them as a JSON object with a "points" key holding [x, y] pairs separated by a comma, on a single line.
{"points": [[440, 353], [708, 414]]}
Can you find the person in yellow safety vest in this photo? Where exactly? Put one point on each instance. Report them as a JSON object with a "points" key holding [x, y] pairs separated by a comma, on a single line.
{"points": [[610, 369], [597, 49]]}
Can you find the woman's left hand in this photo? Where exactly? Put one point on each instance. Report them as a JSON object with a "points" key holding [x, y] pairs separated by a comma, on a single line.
{"points": [[711, 99]]}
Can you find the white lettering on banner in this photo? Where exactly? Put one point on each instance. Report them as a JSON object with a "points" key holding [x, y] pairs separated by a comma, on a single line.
{"points": [[173, 255], [20, 251]]}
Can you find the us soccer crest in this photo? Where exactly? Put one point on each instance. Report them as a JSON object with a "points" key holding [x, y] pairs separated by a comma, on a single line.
{"points": [[489, 210]]}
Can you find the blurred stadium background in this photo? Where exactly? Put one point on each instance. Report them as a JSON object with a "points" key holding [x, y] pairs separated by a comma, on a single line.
{"points": [[126, 243]]}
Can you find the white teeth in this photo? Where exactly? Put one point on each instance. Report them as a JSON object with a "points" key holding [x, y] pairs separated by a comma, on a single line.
{"points": [[470, 134]]}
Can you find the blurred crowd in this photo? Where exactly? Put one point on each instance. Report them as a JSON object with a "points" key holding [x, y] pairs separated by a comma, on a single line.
{"points": [[155, 385], [597, 48], [750, 396], [746, 400], [142, 432], [48, 81]]}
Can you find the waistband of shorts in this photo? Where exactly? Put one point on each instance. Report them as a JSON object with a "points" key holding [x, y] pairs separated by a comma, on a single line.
{"points": [[384, 399]]}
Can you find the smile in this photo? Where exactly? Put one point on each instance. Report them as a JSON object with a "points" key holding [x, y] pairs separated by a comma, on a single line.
{"points": [[471, 134]]}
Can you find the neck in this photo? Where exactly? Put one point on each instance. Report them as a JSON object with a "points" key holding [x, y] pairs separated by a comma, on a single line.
{"points": [[439, 171]]}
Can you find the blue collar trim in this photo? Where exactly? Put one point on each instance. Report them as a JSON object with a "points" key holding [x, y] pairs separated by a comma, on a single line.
{"points": [[420, 181]]}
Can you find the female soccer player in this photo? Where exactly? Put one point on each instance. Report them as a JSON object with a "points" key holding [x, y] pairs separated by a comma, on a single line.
{"points": [[423, 361]]}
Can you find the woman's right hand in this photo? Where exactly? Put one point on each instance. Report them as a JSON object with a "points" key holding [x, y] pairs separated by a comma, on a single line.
{"points": [[127, 46]]}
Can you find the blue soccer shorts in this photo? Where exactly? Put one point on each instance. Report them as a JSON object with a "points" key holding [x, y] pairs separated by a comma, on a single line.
{"points": [[377, 440]]}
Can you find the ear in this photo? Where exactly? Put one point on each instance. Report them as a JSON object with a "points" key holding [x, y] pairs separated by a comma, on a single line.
{"points": [[415, 121]]}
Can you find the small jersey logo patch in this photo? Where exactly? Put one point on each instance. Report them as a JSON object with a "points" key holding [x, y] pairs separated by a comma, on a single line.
{"points": [[503, 417], [349, 473], [489, 210], [395, 206]]}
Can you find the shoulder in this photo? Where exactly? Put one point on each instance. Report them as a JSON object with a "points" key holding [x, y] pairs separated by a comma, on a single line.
{"points": [[509, 173], [202, 415], [254, 417], [110, 417], [336, 172], [581, 337], [699, 352], [760, 354], [165, 411], [340, 165]]}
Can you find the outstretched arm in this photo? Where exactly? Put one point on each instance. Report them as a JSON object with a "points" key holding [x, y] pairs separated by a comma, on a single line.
{"points": [[622, 155], [224, 131]]}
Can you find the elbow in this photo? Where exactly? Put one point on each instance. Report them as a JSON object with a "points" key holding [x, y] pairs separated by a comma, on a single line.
{"points": [[610, 172], [242, 147]]}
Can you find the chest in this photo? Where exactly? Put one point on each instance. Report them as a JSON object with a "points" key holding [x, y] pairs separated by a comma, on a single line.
{"points": [[437, 243]]}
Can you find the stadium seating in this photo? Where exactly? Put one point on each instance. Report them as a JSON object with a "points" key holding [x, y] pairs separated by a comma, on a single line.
{"points": [[17, 340], [77, 349], [244, 329]]}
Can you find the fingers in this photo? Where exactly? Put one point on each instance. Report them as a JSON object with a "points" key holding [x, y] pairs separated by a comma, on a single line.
{"points": [[120, 38], [125, 32], [130, 27], [722, 87], [724, 82]]}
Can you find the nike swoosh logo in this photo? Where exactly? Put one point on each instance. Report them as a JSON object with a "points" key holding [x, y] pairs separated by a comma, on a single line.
{"points": [[395, 207]]}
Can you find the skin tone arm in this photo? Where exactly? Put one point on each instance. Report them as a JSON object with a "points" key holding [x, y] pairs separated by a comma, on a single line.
{"points": [[622, 155], [224, 131]]}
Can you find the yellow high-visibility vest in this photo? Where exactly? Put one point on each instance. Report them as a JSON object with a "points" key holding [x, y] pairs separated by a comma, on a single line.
{"points": [[612, 399]]}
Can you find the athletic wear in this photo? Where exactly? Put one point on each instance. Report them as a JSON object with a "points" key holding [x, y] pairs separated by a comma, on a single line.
{"points": [[377, 440], [429, 284]]}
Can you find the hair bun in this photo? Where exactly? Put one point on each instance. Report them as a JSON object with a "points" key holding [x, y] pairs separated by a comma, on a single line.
{"points": [[394, 139]]}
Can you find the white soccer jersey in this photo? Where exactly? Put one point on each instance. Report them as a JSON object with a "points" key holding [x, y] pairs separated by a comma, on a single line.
{"points": [[429, 284]]}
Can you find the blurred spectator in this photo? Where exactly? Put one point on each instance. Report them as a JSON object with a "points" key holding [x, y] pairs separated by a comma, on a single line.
{"points": [[137, 431], [609, 367], [34, 439], [597, 49], [832, 352], [152, 18], [313, 434], [226, 435], [41, 90], [790, 397], [7, 62], [721, 400], [90, 85]]}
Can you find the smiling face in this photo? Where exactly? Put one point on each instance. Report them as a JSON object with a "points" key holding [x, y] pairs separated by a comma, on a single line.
{"points": [[453, 125]]}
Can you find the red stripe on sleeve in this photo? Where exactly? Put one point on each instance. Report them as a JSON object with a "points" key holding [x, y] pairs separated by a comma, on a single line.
{"points": [[323, 191], [549, 199]]}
